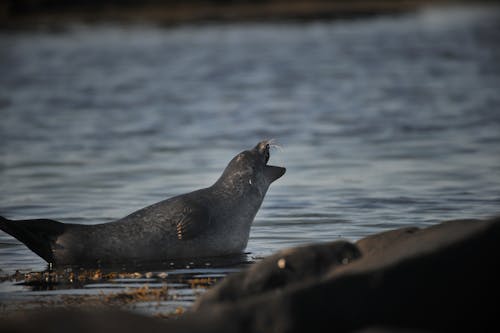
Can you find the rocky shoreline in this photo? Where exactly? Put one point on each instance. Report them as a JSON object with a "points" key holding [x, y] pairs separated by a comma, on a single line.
{"points": [[442, 278], [25, 13]]}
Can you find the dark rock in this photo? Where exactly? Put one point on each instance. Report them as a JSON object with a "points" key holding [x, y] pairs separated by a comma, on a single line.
{"points": [[389, 330], [288, 267], [403, 243], [442, 278], [79, 321]]}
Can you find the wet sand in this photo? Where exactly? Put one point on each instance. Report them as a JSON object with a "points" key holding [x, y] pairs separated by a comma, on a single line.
{"points": [[157, 294]]}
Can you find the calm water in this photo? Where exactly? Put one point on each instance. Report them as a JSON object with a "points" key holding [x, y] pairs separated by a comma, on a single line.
{"points": [[384, 123]]}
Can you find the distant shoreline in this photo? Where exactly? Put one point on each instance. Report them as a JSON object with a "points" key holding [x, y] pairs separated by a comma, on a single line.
{"points": [[23, 13]]}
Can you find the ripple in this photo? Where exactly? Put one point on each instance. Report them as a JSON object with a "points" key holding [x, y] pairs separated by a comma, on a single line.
{"points": [[385, 123]]}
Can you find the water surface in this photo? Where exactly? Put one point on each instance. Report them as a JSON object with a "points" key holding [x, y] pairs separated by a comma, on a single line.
{"points": [[384, 122]]}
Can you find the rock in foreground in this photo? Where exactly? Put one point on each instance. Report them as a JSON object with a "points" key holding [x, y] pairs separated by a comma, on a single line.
{"points": [[441, 278]]}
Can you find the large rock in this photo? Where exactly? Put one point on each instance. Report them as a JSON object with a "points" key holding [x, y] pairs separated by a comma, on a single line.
{"points": [[80, 321], [442, 278]]}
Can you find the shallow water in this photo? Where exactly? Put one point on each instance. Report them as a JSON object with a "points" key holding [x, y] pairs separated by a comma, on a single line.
{"points": [[384, 123]]}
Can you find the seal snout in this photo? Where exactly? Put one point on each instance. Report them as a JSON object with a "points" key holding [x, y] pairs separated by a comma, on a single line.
{"points": [[273, 172]]}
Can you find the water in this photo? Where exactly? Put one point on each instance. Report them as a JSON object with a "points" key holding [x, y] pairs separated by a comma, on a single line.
{"points": [[384, 122]]}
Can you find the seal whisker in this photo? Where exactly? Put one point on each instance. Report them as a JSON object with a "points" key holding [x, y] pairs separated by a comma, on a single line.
{"points": [[273, 144]]}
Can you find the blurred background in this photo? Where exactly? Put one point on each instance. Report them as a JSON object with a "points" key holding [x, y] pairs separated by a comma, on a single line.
{"points": [[387, 111], [175, 11]]}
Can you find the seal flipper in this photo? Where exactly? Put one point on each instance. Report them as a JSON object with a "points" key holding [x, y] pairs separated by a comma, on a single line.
{"points": [[192, 222], [38, 235]]}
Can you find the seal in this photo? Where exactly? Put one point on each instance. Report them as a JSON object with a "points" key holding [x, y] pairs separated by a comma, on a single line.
{"points": [[287, 268], [209, 222]]}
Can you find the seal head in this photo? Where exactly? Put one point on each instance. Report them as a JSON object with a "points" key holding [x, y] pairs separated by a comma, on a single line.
{"points": [[248, 171]]}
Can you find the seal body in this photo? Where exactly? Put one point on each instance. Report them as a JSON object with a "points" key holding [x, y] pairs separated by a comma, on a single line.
{"points": [[213, 221], [287, 268]]}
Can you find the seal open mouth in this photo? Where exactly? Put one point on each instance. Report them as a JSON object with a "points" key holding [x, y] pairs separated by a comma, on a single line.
{"points": [[271, 172]]}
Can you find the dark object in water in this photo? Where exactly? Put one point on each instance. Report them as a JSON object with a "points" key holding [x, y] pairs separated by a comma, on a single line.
{"points": [[38, 235], [213, 221]]}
